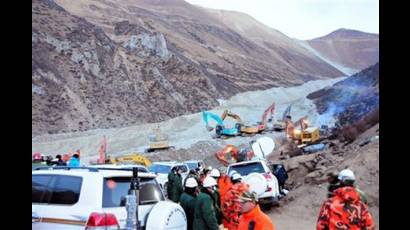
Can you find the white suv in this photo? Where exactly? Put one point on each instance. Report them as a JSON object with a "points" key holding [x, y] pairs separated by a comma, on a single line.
{"points": [[91, 198], [162, 169], [260, 179]]}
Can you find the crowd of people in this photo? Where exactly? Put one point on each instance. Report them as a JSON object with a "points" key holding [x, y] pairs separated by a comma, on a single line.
{"points": [[214, 200], [71, 160]]}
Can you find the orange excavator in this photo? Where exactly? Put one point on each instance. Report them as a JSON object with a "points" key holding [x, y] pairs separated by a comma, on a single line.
{"points": [[242, 128], [303, 136], [262, 125], [235, 154]]}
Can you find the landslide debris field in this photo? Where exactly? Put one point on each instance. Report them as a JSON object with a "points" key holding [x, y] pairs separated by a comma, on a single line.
{"points": [[184, 131]]}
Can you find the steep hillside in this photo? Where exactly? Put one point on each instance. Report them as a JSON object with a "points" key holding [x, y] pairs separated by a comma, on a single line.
{"points": [[349, 99], [350, 48], [106, 63]]}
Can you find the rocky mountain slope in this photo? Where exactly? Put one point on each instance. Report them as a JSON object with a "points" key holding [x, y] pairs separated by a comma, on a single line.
{"points": [[107, 63], [350, 99], [351, 48]]}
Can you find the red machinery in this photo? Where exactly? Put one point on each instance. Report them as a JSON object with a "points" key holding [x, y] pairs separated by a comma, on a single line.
{"points": [[268, 112], [234, 154]]}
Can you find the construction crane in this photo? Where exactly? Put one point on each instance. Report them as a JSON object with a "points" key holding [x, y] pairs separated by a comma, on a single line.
{"points": [[220, 129], [243, 129], [303, 136], [262, 125]]}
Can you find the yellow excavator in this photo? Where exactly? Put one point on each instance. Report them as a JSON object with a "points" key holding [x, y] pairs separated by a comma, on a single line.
{"points": [[242, 128], [132, 158], [303, 136], [157, 141]]}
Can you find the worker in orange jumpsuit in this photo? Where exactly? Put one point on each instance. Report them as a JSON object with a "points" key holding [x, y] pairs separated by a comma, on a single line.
{"points": [[224, 183], [231, 209], [252, 217]]}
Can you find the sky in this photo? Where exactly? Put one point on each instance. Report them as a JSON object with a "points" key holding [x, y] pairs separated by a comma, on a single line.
{"points": [[305, 19]]}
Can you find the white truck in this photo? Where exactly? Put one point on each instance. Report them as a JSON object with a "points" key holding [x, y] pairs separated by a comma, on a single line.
{"points": [[257, 174], [94, 198]]}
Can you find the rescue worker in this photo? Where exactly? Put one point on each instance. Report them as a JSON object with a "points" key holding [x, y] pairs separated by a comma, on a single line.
{"points": [[252, 217], [192, 174], [231, 207], [49, 160], [205, 216], [187, 200], [74, 161], [224, 183], [334, 183], [205, 172], [58, 161], [170, 182], [176, 188], [216, 195], [344, 209]]}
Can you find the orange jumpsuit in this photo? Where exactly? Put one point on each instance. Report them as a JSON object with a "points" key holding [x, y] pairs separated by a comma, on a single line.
{"points": [[224, 184], [260, 220], [344, 210], [231, 206]]}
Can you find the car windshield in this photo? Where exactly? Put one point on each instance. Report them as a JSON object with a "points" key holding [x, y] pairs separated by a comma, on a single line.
{"points": [[245, 169], [157, 168], [192, 165], [116, 188]]}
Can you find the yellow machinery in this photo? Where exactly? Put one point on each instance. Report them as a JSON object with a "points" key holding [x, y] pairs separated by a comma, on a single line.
{"points": [[157, 140], [240, 125], [132, 158], [303, 136], [310, 135]]}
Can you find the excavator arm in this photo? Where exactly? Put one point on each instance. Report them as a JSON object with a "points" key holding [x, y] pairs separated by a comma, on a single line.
{"points": [[290, 127], [235, 154], [269, 111], [208, 115], [286, 112], [134, 158], [225, 152], [228, 113]]}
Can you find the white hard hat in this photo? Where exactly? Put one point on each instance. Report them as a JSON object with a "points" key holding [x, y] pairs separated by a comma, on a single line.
{"points": [[236, 176], [215, 173], [346, 174], [191, 183], [209, 168], [209, 182]]}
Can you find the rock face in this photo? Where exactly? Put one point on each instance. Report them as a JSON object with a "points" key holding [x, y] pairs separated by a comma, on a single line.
{"points": [[351, 48], [103, 64], [351, 99]]}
